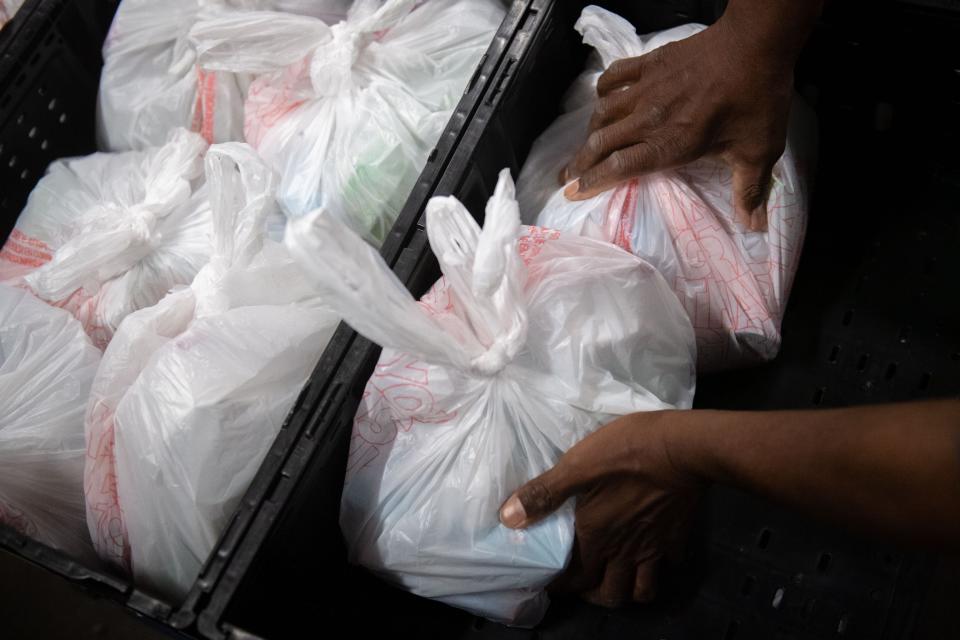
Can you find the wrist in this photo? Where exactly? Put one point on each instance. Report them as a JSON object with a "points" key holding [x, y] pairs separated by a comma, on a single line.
{"points": [[768, 35], [692, 445]]}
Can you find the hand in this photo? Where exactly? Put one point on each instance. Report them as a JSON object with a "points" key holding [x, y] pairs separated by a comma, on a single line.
{"points": [[715, 94], [633, 507]]}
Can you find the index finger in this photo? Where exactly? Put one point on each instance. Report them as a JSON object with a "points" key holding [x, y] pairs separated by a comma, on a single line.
{"points": [[620, 166], [620, 74]]}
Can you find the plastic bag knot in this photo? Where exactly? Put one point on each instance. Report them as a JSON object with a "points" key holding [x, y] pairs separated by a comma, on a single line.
{"points": [[331, 67], [143, 222]]}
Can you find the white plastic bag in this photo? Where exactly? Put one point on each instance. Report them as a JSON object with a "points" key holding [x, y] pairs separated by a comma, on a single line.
{"points": [[46, 367], [734, 283], [531, 341], [348, 114], [191, 392], [151, 84], [109, 233]]}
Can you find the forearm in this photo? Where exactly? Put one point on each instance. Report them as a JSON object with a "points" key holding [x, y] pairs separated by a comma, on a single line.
{"points": [[892, 469], [775, 29]]}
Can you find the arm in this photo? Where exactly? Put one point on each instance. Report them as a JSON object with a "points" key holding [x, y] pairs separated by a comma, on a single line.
{"points": [[723, 92], [888, 470]]}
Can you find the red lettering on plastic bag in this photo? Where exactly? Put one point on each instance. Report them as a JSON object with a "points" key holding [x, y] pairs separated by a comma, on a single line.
{"points": [[100, 489]]}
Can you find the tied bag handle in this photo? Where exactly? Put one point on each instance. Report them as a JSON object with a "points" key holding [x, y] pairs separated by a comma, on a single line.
{"points": [[112, 239], [257, 42], [483, 268], [241, 189]]}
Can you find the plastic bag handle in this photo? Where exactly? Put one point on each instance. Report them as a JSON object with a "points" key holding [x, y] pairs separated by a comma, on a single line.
{"points": [[113, 239], [483, 269], [610, 35], [331, 67], [358, 285], [241, 190], [255, 41]]}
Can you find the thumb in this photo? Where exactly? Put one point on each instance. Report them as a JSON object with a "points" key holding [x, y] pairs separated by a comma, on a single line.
{"points": [[538, 498], [751, 188]]}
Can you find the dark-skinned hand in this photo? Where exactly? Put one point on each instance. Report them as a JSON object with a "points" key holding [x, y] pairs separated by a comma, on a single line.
{"points": [[633, 508], [712, 94]]}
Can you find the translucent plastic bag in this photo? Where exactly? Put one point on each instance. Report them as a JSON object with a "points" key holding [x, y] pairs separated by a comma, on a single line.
{"points": [[348, 114], [530, 341], [109, 233], [734, 283], [46, 367], [8, 9], [191, 392], [151, 84]]}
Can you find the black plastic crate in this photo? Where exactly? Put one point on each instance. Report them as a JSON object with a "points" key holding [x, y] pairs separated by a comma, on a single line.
{"points": [[48, 88], [871, 319], [49, 73]]}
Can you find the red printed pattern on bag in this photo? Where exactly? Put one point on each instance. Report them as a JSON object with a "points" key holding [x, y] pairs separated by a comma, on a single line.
{"points": [[84, 308], [624, 200], [271, 97], [203, 108], [725, 291], [25, 251], [104, 514], [397, 396], [437, 300], [22, 254], [531, 243]]}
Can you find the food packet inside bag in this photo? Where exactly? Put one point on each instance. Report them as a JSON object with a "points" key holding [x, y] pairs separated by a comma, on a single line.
{"points": [[348, 114], [192, 391], [47, 365], [734, 283], [530, 341]]}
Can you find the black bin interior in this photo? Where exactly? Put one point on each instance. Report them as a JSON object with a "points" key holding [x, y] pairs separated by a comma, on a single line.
{"points": [[872, 318]]}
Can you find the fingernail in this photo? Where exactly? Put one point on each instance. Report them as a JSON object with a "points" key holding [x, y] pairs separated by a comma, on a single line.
{"points": [[512, 513], [572, 189]]}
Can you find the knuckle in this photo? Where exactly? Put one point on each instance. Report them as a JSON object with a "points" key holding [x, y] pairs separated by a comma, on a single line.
{"points": [[537, 497], [602, 108], [596, 141], [619, 162], [656, 58], [622, 68], [753, 195], [597, 120], [615, 69], [679, 145], [657, 149], [656, 114]]}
